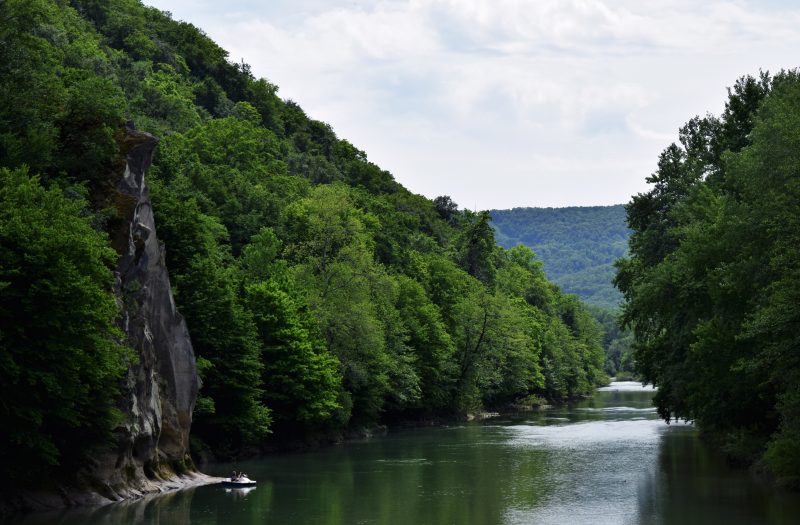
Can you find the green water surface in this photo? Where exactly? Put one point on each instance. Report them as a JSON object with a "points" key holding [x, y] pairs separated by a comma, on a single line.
{"points": [[605, 460]]}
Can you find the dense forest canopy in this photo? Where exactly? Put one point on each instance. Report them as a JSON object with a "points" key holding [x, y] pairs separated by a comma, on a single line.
{"points": [[320, 294], [712, 284], [578, 246]]}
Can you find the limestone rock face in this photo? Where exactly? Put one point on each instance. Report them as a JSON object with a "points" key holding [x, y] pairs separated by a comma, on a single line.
{"points": [[151, 452], [160, 389]]}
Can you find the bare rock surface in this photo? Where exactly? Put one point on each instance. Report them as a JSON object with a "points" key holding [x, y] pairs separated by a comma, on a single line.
{"points": [[160, 389], [151, 453]]}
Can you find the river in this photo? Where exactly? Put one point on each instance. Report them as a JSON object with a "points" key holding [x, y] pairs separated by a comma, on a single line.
{"points": [[604, 460]]}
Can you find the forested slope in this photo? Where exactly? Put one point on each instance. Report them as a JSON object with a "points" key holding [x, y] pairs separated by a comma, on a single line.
{"points": [[319, 293], [712, 285], [578, 245]]}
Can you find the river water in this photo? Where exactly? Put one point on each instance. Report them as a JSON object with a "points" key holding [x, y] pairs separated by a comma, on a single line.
{"points": [[605, 460]]}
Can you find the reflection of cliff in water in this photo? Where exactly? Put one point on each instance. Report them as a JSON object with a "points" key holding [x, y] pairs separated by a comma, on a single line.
{"points": [[693, 484], [171, 508], [206, 504]]}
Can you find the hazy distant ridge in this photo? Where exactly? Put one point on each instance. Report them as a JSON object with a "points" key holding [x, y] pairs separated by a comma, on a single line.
{"points": [[577, 245]]}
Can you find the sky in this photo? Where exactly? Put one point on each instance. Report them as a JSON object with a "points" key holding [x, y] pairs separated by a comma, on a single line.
{"points": [[505, 103]]}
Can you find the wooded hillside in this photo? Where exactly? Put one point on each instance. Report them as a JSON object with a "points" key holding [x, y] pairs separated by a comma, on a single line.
{"points": [[578, 245], [321, 296]]}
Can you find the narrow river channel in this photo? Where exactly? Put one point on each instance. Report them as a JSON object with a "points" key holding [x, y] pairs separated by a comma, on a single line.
{"points": [[605, 460]]}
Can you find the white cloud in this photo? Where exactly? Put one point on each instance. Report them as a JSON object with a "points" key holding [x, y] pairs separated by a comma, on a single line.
{"points": [[506, 102]]}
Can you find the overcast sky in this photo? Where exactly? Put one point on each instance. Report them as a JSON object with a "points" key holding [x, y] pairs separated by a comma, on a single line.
{"points": [[505, 103]]}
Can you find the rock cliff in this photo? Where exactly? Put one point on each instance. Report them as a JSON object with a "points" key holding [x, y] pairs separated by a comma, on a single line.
{"points": [[151, 449], [151, 453], [160, 389]]}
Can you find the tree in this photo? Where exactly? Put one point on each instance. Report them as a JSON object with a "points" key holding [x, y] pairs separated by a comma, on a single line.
{"points": [[230, 412], [333, 265], [301, 379], [430, 342], [225, 335], [58, 114], [446, 208], [477, 248], [61, 355], [715, 316]]}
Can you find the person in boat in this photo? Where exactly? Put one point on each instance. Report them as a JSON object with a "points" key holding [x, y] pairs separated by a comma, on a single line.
{"points": [[234, 476]]}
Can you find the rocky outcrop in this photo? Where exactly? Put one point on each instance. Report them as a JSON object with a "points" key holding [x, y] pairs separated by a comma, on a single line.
{"points": [[151, 453], [160, 389]]}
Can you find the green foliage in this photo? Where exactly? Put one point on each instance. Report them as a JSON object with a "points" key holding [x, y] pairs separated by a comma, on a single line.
{"points": [[476, 247], [617, 343], [320, 294], [60, 350], [229, 167], [578, 245], [301, 381], [166, 102], [49, 58], [334, 266], [224, 334], [430, 342], [446, 208], [711, 285]]}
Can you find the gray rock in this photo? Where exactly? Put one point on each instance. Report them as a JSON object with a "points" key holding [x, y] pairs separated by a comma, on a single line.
{"points": [[151, 454], [160, 389]]}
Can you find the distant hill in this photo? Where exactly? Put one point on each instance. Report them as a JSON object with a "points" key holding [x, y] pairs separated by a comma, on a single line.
{"points": [[577, 245]]}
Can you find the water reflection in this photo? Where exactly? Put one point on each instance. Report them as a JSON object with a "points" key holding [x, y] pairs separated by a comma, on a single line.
{"points": [[690, 476], [605, 460], [157, 510], [626, 386], [240, 492]]}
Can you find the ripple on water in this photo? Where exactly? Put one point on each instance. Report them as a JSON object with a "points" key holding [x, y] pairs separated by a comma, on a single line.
{"points": [[404, 462], [626, 386], [616, 409], [587, 434]]}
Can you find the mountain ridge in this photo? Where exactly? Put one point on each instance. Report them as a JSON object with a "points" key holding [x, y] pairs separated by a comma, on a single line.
{"points": [[577, 244]]}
